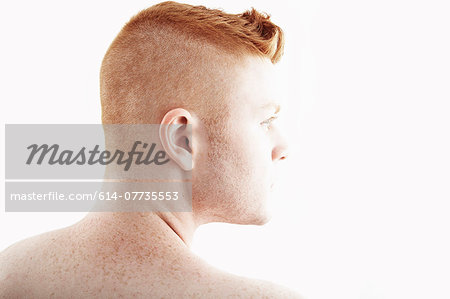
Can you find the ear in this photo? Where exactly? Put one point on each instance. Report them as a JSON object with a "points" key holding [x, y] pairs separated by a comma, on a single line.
{"points": [[175, 133]]}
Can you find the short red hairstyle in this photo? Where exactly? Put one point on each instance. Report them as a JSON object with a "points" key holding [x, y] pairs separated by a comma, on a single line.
{"points": [[172, 55]]}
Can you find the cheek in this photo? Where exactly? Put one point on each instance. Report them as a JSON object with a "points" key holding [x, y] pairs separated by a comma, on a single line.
{"points": [[254, 154], [243, 151]]}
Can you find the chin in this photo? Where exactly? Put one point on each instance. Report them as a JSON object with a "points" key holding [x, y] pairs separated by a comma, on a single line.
{"points": [[264, 219], [257, 213], [260, 221], [260, 218]]}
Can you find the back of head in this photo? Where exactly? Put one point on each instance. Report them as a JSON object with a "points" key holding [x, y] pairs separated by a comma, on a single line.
{"points": [[177, 55]]}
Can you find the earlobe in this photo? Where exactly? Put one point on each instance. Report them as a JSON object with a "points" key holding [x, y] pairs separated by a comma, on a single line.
{"points": [[176, 137]]}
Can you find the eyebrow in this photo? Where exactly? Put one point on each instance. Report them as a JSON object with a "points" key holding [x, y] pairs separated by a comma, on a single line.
{"points": [[272, 105]]}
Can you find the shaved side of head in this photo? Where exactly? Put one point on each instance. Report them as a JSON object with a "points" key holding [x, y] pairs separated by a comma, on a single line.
{"points": [[174, 55]]}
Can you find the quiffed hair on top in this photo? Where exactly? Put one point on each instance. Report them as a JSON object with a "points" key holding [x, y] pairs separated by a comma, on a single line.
{"points": [[161, 54], [251, 32]]}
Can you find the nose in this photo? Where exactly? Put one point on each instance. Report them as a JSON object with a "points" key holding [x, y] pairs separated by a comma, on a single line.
{"points": [[280, 151], [279, 154]]}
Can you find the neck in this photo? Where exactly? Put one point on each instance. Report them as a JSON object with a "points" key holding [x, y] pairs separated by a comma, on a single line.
{"points": [[165, 228], [182, 224]]}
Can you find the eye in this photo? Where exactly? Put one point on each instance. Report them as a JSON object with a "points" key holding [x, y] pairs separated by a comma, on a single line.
{"points": [[268, 121]]}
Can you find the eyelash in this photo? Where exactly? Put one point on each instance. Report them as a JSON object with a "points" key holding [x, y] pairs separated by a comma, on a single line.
{"points": [[269, 121]]}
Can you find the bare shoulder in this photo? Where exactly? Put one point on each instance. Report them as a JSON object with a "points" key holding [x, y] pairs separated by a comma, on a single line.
{"points": [[43, 264], [10, 261], [19, 261], [23, 251], [234, 286], [266, 289], [6, 276]]}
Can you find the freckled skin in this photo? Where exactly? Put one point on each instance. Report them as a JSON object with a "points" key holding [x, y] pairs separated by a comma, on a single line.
{"points": [[88, 260], [148, 74], [147, 255]]}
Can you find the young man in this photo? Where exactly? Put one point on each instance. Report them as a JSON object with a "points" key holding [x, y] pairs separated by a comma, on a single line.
{"points": [[173, 64]]}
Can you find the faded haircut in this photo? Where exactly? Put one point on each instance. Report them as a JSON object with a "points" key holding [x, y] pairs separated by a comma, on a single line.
{"points": [[175, 55]]}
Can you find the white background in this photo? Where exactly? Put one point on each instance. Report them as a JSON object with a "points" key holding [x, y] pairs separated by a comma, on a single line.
{"points": [[362, 210]]}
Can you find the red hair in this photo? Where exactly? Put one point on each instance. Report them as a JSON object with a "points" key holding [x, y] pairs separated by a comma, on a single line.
{"points": [[250, 32], [157, 55]]}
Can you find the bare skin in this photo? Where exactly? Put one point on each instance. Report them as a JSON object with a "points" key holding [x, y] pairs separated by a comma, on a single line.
{"points": [[112, 256], [147, 255]]}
